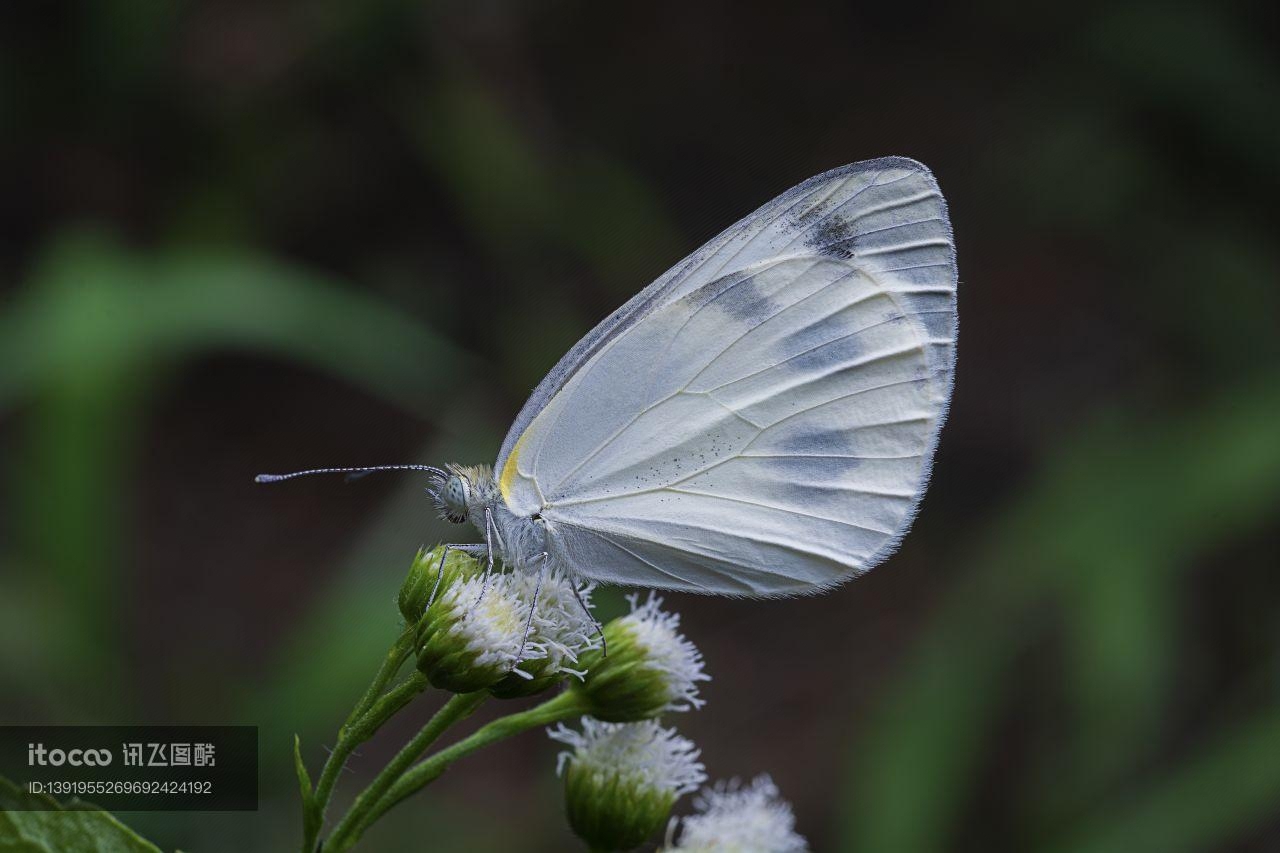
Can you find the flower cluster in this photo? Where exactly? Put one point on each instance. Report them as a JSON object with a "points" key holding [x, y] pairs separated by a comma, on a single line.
{"points": [[513, 633], [646, 668], [562, 629], [621, 779], [732, 818], [473, 634], [519, 633]]}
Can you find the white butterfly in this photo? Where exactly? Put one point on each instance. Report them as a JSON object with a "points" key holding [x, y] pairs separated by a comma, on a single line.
{"points": [[760, 421]]}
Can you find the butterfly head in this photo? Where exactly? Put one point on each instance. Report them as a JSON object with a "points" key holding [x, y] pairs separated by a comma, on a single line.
{"points": [[459, 492]]}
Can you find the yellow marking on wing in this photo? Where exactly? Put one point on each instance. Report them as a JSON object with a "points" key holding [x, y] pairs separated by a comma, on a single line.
{"points": [[509, 470]]}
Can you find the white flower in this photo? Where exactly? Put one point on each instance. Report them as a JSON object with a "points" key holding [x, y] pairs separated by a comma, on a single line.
{"points": [[649, 668], [642, 755], [736, 819], [562, 625], [670, 652], [471, 636], [621, 779], [494, 627], [562, 630]]}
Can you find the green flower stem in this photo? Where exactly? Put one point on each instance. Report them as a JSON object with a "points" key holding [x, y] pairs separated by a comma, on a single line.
{"points": [[351, 737], [370, 712], [351, 826], [390, 702], [566, 705], [395, 658]]}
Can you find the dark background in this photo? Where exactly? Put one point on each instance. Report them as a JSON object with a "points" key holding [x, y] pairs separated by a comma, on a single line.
{"points": [[240, 237]]}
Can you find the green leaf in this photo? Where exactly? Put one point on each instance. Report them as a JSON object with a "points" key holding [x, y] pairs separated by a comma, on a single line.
{"points": [[74, 828], [311, 811], [304, 779]]}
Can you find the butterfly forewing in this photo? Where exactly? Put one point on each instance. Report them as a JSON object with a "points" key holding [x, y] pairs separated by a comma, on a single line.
{"points": [[760, 421]]}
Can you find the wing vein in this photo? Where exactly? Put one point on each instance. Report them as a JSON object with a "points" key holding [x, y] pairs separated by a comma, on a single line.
{"points": [[862, 234], [813, 227], [787, 511], [900, 202], [905, 247], [836, 186], [653, 366], [863, 363]]}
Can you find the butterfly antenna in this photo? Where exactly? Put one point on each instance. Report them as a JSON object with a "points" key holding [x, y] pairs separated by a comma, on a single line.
{"points": [[276, 478]]}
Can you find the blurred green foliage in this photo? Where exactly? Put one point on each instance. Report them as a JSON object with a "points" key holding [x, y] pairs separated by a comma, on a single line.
{"points": [[1109, 565], [94, 333], [430, 205]]}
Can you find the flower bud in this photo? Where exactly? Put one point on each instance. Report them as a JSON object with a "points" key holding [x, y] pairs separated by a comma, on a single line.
{"points": [[649, 667], [419, 584], [466, 642], [732, 817], [562, 627], [621, 779]]}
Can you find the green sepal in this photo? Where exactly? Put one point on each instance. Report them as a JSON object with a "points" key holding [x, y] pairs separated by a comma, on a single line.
{"points": [[613, 813], [622, 686], [446, 661], [513, 686], [420, 582]]}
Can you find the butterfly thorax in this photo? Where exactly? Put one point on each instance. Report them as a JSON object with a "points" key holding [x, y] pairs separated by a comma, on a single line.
{"points": [[515, 540], [518, 541]]}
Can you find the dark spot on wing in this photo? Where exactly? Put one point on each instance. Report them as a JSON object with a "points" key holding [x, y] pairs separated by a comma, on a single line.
{"points": [[801, 472], [815, 338], [842, 351], [816, 441], [712, 289], [830, 237], [737, 294]]}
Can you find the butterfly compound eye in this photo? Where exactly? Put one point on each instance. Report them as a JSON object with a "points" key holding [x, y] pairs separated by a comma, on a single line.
{"points": [[455, 495]]}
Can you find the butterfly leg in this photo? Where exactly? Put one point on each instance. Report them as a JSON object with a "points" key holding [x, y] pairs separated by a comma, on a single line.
{"points": [[467, 548], [488, 544], [533, 606], [490, 532], [604, 646]]}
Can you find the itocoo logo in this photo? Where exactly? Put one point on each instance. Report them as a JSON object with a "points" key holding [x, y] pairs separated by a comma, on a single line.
{"points": [[38, 755]]}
